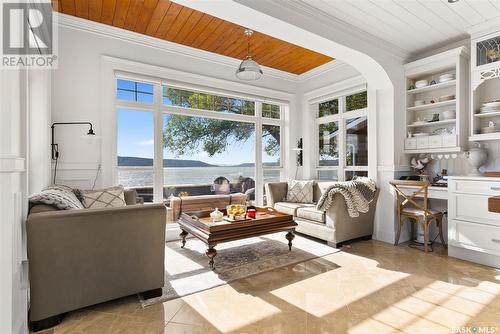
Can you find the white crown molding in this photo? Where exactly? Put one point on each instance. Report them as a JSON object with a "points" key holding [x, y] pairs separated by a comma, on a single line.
{"points": [[77, 23], [335, 89], [11, 164], [436, 60], [329, 21]]}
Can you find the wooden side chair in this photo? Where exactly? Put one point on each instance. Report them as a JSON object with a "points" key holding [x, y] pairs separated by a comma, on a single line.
{"points": [[409, 207]]}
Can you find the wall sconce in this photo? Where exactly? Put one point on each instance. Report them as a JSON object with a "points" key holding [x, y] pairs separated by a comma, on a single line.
{"points": [[55, 147]]}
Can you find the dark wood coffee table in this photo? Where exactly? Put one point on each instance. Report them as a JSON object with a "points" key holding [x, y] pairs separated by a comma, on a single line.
{"points": [[267, 221]]}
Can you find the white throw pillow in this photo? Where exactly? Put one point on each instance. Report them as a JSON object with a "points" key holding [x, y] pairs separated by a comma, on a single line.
{"points": [[300, 191], [109, 197]]}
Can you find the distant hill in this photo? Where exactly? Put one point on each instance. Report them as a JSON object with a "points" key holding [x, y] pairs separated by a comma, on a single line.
{"points": [[141, 162]]}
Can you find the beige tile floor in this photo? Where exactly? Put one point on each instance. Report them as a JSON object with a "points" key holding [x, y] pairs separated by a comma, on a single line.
{"points": [[370, 287]]}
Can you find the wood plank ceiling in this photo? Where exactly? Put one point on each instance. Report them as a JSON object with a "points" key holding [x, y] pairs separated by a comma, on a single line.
{"points": [[172, 22]]}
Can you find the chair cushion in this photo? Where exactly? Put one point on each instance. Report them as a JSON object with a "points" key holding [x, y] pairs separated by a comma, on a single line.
{"points": [[310, 213], [290, 208], [417, 211]]}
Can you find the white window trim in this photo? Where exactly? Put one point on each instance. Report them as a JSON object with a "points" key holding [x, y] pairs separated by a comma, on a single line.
{"points": [[341, 118], [158, 109]]}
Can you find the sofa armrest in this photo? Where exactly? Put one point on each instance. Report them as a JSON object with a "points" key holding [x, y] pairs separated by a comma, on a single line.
{"points": [[275, 192], [87, 256]]}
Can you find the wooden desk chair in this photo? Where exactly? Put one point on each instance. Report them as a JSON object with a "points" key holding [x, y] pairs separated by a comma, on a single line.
{"points": [[409, 207]]}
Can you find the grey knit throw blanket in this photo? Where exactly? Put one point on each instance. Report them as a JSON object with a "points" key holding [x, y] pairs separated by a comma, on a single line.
{"points": [[357, 194]]}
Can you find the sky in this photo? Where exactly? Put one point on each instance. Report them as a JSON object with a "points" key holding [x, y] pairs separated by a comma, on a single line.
{"points": [[135, 132], [135, 139]]}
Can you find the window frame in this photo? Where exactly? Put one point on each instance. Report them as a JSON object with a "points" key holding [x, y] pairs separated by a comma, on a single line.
{"points": [[159, 110], [341, 117]]}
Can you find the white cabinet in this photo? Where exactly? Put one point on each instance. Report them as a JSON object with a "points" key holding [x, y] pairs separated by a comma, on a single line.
{"points": [[422, 142], [410, 143], [473, 231], [438, 90]]}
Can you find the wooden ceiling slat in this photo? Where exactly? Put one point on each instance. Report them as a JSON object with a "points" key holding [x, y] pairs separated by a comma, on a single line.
{"points": [[215, 37], [179, 22], [158, 14], [223, 37], [188, 27], [133, 14], [82, 9], [121, 10], [108, 11], [203, 23], [170, 21], [95, 10], [68, 7], [207, 32], [145, 16], [233, 37]]}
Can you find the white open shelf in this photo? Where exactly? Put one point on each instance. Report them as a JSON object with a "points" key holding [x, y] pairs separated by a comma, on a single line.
{"points": [[433, 87], [432, 105], [488, 114], [437, 123]]}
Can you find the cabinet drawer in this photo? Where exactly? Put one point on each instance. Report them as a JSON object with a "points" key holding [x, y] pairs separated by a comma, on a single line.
{"points": [[422, 142], [435, 141], [484, 237], [449, 140], [410, 143], [473, 208], [490, 188]]}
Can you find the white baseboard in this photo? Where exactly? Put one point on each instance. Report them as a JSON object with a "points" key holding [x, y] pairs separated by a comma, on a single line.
{"points": [[172, 232], [474, 256]]}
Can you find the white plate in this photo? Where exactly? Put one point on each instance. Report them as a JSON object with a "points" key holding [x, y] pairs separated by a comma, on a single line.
{"points": [[491, 104], [420, 134]]}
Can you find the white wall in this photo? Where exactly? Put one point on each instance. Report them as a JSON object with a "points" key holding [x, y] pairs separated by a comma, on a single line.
{"points": [[77, 93], [13, 201]]}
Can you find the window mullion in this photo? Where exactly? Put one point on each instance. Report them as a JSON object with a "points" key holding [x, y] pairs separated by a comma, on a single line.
{"points": [[259, 173], [158, 146], [341, 140]]}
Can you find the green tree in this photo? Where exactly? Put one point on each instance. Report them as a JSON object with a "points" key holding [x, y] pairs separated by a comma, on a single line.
{"points": [[186, 135]]}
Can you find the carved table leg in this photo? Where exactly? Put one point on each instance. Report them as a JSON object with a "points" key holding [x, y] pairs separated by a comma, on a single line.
{"points": [[211, 253], [183, 235], [290, 236]]}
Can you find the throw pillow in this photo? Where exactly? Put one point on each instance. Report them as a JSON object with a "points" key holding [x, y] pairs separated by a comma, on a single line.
{"points": [[300, 191], [62, 198], [104, 198], [75, 191]]}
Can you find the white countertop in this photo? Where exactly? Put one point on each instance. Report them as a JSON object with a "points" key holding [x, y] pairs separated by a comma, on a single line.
{"points": [[474, 178]]}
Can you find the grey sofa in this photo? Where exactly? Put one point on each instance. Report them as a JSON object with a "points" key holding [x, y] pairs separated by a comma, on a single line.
{"points": [[333, 225], [83, 257]]}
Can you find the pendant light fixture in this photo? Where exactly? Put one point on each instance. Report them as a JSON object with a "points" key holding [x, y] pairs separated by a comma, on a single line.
{"points": [[248, 69]]}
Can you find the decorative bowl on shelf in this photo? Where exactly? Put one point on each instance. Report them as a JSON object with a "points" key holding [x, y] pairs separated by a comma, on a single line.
{"points": [[420, 134], [449, 114], [490, 129], [421, 83], [446, 98], [446, 77]]}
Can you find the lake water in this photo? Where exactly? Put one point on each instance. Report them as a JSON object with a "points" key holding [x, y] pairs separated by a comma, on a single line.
{"points": [[133, 177]]}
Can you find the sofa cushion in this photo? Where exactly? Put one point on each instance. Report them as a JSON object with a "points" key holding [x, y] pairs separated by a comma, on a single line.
{"points": [[104, 198], [290, 208], [310, 213], [300, 191]]}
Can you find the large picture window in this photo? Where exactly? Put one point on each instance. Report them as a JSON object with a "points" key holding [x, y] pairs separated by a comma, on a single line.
{"points": [[342, 130], [181, 142]]}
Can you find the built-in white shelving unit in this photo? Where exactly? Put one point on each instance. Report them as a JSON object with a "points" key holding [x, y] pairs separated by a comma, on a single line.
{"points": [[485, 84], [430, 117]]}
